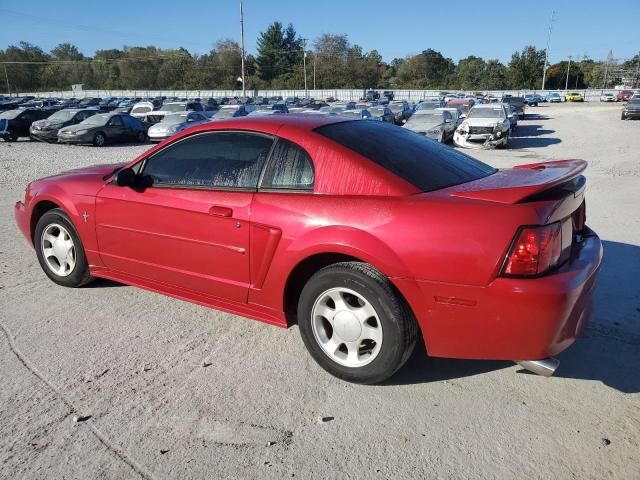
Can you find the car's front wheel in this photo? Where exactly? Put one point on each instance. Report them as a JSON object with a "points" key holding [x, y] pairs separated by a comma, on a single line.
{"points": [[60, 251], [141, 137], [354, 324]]}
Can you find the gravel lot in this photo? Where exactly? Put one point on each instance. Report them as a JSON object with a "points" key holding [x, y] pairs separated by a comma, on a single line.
{"points": [[132, 361]]}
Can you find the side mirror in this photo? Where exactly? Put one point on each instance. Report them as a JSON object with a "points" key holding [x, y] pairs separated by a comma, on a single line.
{"points": [[125, 178]]}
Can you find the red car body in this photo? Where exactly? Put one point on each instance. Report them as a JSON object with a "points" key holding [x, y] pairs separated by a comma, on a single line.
{"points": [[246, 252], [624, 96]]}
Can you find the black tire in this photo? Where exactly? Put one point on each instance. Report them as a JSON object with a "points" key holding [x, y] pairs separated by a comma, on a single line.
{"points": [[397, 321], [79, 276], [12, 136], [99, 139], [141, 137], [622, 116]]}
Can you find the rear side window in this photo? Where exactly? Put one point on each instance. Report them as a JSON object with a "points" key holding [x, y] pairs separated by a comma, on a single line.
{"points": [[290, 167], [420, 161]]}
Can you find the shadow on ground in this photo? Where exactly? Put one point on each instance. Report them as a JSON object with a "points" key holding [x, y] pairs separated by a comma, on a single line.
{"points": [[608, 352]]}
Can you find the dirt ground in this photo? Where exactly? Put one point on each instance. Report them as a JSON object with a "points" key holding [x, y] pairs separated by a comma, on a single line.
{"points": [[129, 363]]}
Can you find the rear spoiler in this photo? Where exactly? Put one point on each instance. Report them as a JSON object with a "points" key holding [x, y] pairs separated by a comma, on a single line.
{"points": [[521, 182]]}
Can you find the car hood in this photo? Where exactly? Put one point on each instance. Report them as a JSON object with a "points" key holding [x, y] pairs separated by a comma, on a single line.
{"points": [[92, 171], [482, 122], [421, 124], [48, 124], [78, 127]]}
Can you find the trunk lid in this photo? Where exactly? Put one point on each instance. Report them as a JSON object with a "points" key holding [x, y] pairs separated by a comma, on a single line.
{"points": [[518, 184], [556, 188]]}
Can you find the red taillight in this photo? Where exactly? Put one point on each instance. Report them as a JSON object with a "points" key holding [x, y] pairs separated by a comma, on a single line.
{"points": [[535, 250]]}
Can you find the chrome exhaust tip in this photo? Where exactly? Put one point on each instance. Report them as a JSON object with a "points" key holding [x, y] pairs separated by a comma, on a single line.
{"points": [[544, 367]]}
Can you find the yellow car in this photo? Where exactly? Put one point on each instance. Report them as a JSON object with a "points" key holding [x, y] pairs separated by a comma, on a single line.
{"points": [[573, 97]]}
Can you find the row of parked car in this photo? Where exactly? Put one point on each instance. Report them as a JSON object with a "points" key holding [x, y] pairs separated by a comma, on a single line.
{"points": [[100, 121]]}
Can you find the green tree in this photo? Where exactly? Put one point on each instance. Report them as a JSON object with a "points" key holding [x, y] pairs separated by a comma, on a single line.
{"points": [[525, 68], [471, 73], [272, 59], [429, 69]]}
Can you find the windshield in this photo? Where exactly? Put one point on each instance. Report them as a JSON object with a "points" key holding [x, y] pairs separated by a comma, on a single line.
{"points": [[635, 101], [379, 112], [486, 113], [427, 106], [175, 118], [174, 107], [62, 115], [141, 109], [420, 161], [11, 114], [428, 116], [225, 113], [396, 107], [96, 120]]}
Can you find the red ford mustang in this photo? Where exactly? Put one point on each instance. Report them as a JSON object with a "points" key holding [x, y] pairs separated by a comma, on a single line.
{"points": [[365, 234]]}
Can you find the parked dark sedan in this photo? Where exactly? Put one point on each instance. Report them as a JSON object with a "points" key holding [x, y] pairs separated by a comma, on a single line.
{"points": [[518, 104], [16, 123], [104, 128], [47, 129]]}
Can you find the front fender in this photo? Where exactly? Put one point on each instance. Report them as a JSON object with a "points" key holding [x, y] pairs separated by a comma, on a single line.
{"points": [[80, 208]]}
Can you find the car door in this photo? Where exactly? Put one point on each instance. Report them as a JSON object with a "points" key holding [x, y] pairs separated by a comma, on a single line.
{"points": [[190, 228], [115, 128]]}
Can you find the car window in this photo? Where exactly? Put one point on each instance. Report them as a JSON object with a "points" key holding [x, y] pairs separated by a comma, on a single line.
{"points": [[290, 167], [225, 160], [115, 121], [424, 163], [132, 122]]}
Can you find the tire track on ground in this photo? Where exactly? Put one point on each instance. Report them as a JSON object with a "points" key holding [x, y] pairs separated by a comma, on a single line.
{"points": [[114, 449]]}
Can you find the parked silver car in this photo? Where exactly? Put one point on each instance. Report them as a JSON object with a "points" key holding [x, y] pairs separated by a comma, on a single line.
{"points": [[486, 126], [174, 123], [438, 124]]}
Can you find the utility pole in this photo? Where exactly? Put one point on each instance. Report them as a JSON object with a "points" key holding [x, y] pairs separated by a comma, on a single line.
{"points": [[566, 84], [304, 67], [242, 44], [314, 72], [6, 75], [546, 52]]}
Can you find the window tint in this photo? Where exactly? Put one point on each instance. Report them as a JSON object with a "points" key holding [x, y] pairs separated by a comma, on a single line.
{"points": [[422, 162], [290, 167], [228, 160], [115, 121]]}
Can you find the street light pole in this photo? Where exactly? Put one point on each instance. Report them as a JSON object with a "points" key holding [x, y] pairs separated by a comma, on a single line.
{"points": [[546, 52], [314, 72], [566, 84], [6, 76], [304, 67], [242, 44]]}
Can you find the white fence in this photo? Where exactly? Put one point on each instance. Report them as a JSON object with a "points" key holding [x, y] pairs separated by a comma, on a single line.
{"points": [[339, 94]]}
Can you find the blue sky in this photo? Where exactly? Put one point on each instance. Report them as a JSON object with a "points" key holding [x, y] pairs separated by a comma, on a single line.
{"points": [[395, 29]]}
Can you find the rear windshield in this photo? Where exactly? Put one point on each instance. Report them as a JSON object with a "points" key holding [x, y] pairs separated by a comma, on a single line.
{"points": [[420, 161]]}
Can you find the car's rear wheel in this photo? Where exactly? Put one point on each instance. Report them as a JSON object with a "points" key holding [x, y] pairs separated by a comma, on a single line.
{"points": [[99, 139], [354, 324], [60, 251]]}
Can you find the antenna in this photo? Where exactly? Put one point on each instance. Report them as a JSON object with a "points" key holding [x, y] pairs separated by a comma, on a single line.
{"points": [[546, 52]]}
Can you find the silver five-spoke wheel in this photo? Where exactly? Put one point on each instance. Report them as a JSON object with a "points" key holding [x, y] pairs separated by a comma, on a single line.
{"points": [[346, 327], [58, 249]]}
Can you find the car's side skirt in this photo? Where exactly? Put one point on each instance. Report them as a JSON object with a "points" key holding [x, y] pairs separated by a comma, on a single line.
{"points": [[249, 310]]}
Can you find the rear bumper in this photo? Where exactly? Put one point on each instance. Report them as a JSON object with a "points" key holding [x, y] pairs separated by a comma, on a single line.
{"points": [[509, 318]]}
